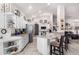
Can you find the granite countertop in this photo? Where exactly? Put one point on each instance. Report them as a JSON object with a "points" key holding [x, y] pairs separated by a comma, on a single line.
{"points": [[51, 36]]}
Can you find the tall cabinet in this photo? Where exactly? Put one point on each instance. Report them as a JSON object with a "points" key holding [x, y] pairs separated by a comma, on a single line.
{"points": [[45, 23], [2, 20], [61, 18], [10, 20]]}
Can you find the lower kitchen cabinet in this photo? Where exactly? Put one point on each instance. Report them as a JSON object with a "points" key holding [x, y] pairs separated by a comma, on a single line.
{"points": [[1, 47], [43, 45], [13, 45], [24, 42]]}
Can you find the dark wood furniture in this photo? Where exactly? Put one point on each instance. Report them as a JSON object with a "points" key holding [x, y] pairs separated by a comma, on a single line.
{"points": [[75, 36], [57, 47]]}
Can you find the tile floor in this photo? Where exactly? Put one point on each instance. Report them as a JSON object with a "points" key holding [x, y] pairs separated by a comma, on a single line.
{"points": [[31, 48], [73, 48]]}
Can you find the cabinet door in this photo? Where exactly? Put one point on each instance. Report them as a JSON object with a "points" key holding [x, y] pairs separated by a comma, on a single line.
{"points": [[2, 7], [2, 21], [10, 20], [18, 22], [42, 45], [1, 47]]}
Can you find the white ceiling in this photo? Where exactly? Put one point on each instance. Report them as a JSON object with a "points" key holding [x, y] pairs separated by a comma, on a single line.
{"points": [[72, 9]]}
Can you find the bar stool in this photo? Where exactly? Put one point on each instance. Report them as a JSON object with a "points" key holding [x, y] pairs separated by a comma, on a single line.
{"points": [[57, 46]]}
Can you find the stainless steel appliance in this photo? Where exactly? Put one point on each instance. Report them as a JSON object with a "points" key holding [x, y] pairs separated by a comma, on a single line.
{"points": [[43, 30], [30, 32]]}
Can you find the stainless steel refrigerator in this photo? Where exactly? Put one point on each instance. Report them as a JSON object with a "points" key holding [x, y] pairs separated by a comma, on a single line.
{"points": [[30, 32]]}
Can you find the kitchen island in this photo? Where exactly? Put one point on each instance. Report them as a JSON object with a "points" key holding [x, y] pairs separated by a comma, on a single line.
{"points": [[43, 42]]}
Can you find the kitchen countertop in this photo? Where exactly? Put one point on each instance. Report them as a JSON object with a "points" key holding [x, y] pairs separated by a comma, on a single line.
{"points": [[51, 36], [7, 39], [13, 38]]}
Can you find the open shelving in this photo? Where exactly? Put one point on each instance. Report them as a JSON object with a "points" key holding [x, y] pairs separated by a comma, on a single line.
{"points": [[11, 47]]}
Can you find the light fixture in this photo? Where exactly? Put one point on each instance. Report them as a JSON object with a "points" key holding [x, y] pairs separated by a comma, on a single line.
{"points": [[30, 7], [48, 4]]}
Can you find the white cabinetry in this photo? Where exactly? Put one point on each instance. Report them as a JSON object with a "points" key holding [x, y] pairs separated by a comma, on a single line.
{"points": [[2, 20], [5, 19], [61, 18], [46, 18], [1, 47], [8, 20], [43, 45], [19, 22], [12, 45], [45, 23], [24, 41], [5, 7], [23, 22]]}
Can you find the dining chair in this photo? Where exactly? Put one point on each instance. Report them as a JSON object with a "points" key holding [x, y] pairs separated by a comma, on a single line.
{"points": [[57, 47]]}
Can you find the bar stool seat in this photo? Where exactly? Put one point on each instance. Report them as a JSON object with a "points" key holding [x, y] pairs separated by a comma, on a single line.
{"points": [[54, 43], [57, 46]]}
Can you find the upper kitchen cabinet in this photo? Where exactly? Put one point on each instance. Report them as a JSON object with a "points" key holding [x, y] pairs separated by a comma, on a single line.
{"points": [[2, 20], [46, 18], [61, 18], [20, 22], [45, 23], [7, 20], [10, 20], [11, 16], [8, 7], [5, 7]]}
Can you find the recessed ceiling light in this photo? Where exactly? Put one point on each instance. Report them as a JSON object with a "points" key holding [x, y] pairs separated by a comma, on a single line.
{"points": [[30, 7], [48, 4]]}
